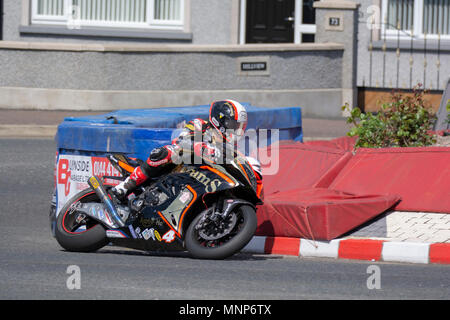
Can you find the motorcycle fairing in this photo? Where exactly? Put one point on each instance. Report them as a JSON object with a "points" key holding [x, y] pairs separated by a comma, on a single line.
{"points": [[97, 211], [176, 211], [246, 170], [115, 233], [188, 184], [146, 234], [161, 226], [204, 179]]}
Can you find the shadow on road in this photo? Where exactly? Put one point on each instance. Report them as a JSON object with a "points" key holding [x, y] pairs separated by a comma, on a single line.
{"points": [[242, 256]]}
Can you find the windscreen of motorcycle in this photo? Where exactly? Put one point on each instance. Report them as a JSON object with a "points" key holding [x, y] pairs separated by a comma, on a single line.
{"points": [[244, 167]]}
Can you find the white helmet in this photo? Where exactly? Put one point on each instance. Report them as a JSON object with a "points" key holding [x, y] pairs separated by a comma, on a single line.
{"points": [[229, 118]]}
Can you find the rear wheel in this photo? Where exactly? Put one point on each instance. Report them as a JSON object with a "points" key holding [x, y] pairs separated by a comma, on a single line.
{"points": [[208, 238], [75, 231]]}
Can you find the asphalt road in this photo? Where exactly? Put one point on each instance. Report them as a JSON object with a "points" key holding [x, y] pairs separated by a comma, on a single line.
{"points": [[33, 265]]}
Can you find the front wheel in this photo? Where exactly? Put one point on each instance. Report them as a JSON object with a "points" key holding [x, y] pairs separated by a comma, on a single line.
{"points": [[77, 232], [218, 239]]}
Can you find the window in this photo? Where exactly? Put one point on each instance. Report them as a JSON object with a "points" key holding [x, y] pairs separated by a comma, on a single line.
{"points": [[416, 17], [160, 14], [436, 16], [51, 11]]}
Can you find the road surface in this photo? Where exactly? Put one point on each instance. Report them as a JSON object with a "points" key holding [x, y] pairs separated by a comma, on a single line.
{"points": [[34, 266]]}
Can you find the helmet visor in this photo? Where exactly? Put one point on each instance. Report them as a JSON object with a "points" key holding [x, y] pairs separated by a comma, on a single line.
{"points": [[235, 128]]}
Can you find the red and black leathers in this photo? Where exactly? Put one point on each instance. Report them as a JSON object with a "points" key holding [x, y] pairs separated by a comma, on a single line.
{"points": [[193, 140], [197, 142]]}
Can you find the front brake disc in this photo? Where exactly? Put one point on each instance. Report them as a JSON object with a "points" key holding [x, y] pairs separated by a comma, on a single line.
{"points": [[213, 230]]}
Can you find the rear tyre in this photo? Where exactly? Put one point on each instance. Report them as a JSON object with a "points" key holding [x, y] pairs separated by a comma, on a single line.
{"points": [[234, 241], [77, 233]]}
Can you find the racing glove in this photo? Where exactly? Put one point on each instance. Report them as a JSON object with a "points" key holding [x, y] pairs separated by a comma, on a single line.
{"points": [[207, 151]]}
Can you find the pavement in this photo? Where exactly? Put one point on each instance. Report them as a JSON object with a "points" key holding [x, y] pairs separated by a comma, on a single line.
{"points": [[43, 123], [416, 237], [34, 123]]}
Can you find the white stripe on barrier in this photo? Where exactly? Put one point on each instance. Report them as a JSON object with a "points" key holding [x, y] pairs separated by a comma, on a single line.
{"points": [[326, 249], [256, 245], [405, 252], [409, 252]]}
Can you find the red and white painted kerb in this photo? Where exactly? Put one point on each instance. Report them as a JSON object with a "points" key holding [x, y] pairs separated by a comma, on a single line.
{"points": [[359, 249]]}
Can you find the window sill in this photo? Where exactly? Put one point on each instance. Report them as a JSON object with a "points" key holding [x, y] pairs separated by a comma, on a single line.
{"points": [[105, 32], [417, 45]]}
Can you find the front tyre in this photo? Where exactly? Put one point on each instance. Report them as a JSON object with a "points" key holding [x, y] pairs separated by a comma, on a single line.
{"points": [[77, 232], [200, 240]]}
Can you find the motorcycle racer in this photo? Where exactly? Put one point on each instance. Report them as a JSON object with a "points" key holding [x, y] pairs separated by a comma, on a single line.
{"points": [[200, 139]]}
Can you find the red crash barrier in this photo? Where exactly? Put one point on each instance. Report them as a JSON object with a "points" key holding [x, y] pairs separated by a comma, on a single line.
{"points": [[319, 214], [301, 166], [323, 191], [298, 202], [342, 143], [420, 176]]}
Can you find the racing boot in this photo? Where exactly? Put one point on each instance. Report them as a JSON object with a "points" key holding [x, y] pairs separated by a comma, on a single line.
{"points": [[120, 191], [122, 188], [130, 183]]}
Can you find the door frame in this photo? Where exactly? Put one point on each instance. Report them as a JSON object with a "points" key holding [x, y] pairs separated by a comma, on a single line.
{"points": [[299, 28]]}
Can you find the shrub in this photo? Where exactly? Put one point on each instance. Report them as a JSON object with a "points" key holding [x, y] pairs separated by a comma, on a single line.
{"points": [[448, 110], [403, 122]]}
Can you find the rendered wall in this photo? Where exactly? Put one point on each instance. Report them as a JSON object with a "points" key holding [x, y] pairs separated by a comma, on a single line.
{"points": [[108, 77]]}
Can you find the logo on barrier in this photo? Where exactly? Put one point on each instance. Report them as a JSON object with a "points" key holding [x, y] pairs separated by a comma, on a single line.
{"points": [[64, 175], [74, 171]]}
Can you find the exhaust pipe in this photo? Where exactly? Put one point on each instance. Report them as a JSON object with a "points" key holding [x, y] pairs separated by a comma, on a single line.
{"points": [[99, 189]]}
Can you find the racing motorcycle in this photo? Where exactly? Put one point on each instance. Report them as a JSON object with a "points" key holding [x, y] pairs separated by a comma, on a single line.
{"points": [[208, 210]]}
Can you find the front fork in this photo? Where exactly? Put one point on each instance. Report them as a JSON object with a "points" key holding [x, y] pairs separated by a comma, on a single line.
{"points": [[224, 207]]}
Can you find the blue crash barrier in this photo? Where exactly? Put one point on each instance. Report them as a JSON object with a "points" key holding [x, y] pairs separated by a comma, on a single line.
{"points": [[137, 131]]}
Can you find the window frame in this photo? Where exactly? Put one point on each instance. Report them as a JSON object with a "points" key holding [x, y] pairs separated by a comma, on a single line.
{"points": [[48, 19], [417, 32], [177, 24], [151, 23], [301, 28]]}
